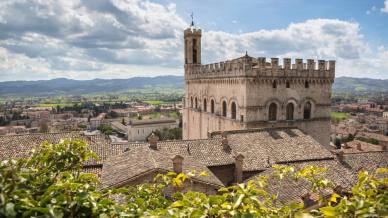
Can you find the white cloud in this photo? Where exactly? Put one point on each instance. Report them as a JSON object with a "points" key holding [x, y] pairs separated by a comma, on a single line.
{"points": [[89, 36], [385, 8], [86, 39], [318, 39]]}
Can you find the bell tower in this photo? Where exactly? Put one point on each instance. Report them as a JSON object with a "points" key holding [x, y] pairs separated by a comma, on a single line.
{"points": [[192, 37]]}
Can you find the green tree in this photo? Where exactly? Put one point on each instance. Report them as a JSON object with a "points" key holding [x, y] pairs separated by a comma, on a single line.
{"points": [[50, 183], [337, 143], [106, 129]]}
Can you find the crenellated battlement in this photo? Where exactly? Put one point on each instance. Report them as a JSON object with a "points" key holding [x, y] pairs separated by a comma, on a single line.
{"points": [[192, 31], [247, 66]]}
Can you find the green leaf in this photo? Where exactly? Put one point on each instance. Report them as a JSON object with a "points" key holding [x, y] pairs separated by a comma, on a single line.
{"points": [[328, 211], [334, 197], [177, 204], [10, 210]]}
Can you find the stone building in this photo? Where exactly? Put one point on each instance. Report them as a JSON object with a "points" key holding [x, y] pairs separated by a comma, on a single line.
{"points": [[139, 130], [250, 92]]}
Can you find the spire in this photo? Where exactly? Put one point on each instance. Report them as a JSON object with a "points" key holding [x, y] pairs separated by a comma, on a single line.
{"points": [[192, 19]]}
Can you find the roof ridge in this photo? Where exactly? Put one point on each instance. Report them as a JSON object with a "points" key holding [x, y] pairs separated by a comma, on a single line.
{"points": [[252, 130], [363, 152], [166, 141], [46, 133]]}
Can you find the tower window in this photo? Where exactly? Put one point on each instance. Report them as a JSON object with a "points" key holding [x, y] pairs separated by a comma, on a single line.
{"points": [[290, 111], [287, 84], [205, 105], [194, 51], [272, 112], [196, 103], [191, 102], [233, 110], [306, 85], [212, 106], [274, 84], [307, 111], [224, 108]]}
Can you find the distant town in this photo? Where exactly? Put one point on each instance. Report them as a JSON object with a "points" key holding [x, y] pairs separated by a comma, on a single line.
{"points": [[355, 116], [118, 120]]}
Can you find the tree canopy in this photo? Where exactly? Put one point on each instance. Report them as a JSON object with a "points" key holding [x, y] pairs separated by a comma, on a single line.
{"points": [[51, 183]]}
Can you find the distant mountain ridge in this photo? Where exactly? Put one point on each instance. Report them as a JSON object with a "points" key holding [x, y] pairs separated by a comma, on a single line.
{"points": [[358, 85], [64, 86]]}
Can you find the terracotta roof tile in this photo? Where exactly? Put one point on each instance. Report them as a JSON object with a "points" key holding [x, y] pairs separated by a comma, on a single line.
{"points": [[139, 160]]}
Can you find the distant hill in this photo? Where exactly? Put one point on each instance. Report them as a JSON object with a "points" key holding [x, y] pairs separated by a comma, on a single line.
{"points": [[357, 85], [63, 86]]}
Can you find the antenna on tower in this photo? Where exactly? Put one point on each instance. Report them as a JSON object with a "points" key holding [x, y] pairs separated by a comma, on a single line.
{"points": [[192, 19]]}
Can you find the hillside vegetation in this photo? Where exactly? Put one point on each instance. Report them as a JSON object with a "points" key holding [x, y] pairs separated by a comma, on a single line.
{"points": [[359, 85], [63, 86]]}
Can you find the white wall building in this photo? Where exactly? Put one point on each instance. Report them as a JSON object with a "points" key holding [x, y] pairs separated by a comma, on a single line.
{"points": [[138, 130]]}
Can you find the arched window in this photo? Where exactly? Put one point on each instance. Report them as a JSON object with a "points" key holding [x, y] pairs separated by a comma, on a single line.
{"points": [[196, 103], [288, 84], [233, 110], [191, 102], [274, 84], [224, 108], [290, 111], [306, 84], [205, 105], [272, 112], [212, 106], [307, 111]]}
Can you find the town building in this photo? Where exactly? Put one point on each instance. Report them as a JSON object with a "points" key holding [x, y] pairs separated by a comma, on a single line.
{"points": [[249, 92], [139, 130], [97, 121]]}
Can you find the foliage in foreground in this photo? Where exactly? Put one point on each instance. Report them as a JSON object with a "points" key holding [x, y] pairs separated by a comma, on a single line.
{"points": [[51, 184]]}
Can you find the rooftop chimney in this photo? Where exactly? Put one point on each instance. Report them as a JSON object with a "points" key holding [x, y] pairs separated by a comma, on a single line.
{"points": [[177, 163], [338, 189], [153, 140], [359, 146], [340, 154], [307, 200], [238, 170], [225, 144]]}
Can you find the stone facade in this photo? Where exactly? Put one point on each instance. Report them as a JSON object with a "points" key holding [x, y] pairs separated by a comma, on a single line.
{"points": [[250, 92]]}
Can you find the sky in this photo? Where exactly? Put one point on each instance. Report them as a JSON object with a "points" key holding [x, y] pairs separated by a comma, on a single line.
{"points": [[87, 39]]}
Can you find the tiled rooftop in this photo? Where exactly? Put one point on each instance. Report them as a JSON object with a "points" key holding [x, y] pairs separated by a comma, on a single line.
{"points": [[342, 172], [16, 146], [261, 148], [357, 146], [139, 160]]}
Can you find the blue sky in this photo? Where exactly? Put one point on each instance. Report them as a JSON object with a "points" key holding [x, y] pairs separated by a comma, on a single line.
{"points": [[86, 39], [248, 15]]}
